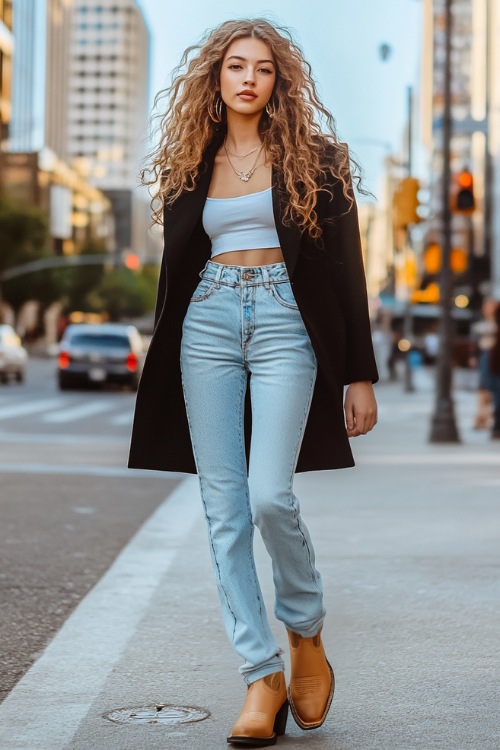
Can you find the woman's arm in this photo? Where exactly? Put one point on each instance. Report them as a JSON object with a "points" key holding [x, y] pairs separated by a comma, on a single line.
{"points": [[360, 407], [343, 243]]}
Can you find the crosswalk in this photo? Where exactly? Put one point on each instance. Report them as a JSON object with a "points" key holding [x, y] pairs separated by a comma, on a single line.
{"points": [[66, 410]]}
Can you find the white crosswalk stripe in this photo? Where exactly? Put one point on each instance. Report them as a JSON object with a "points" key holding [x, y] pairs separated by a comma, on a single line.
{"points": [[65, 410], [32, 407], [77, 412], [124, 419]]}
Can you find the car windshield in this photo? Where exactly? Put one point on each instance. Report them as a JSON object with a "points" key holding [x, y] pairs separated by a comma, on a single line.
{"points": [[100, 340]]}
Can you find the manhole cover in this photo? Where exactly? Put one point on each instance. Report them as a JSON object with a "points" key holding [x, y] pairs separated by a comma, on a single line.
{"points": [[159, 714]]}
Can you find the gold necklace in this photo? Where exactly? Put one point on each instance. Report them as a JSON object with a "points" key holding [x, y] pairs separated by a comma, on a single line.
{"points": [[245, 176], [242, 156]]}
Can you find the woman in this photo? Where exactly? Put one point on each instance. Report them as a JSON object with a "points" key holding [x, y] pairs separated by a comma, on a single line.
{"points": [[494, 376], [259, 204], [484, 332]]}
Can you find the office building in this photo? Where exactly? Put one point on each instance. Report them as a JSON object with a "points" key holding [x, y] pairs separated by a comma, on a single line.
{"points": [[6, 47]]}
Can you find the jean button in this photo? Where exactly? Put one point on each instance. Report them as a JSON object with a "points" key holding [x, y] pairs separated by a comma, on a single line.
{"points": [[247, 276]]}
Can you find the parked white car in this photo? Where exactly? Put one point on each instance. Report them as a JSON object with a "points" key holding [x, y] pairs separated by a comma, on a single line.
{"points": [[13, 356]]}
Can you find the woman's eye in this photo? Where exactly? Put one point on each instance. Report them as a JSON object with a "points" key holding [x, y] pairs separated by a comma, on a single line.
{"points": [[266, 70], [235, 66]]}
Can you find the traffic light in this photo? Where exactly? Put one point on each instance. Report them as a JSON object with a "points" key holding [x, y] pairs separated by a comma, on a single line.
{"points": [[462, 195], [131, 261], [459, 259], [406, 202]]}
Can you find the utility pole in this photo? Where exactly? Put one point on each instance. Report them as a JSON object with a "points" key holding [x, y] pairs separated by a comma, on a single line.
{"points": [[407, 324], [493, 137], [443, 427]]}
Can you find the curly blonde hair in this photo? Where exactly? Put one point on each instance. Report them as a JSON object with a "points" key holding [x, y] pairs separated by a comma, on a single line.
{"points": [[306, 157]]}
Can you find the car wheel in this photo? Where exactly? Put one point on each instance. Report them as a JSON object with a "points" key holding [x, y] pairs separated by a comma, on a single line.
{"points": [[4, 378], [20, 376]]}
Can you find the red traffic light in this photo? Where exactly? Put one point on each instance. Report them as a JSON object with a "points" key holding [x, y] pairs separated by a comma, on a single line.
{"points": [[132, 261], [465, 180], [462, 198]]}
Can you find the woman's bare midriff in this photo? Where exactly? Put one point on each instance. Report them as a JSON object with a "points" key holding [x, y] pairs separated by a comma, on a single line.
{"points": [[259, 257]]}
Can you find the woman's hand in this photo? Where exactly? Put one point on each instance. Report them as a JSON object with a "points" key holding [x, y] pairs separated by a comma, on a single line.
{"points": [[360, 408]]}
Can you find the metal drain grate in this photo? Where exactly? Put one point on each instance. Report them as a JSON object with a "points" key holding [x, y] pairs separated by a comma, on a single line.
{"points": [[161, 713]]}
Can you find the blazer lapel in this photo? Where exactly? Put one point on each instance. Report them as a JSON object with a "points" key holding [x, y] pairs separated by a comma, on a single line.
{"points": [[181, 218], [289, 235]]}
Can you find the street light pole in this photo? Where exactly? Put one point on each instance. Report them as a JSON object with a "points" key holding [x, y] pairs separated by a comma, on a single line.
{"points": [[408, 324], [443, 426]]}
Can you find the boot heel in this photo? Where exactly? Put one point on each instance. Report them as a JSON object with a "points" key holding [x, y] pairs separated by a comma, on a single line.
{"points": [[280, 720]]}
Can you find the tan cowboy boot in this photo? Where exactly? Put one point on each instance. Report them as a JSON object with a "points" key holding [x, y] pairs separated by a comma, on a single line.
{"points": [[312, 682], [264, 713]]}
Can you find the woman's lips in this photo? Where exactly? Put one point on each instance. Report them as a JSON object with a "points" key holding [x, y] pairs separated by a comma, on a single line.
{"points": [[247, 97]]}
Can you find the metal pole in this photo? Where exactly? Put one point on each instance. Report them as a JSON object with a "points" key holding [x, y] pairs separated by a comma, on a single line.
{"points": [[407, 324], [409, 104], [443, 426]]}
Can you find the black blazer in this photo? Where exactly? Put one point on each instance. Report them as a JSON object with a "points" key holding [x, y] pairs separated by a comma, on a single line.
{"points": [[329, 286]]}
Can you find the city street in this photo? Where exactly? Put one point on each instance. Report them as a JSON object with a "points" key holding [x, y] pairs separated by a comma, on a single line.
{"points": [[68, 504], [408, 545]]}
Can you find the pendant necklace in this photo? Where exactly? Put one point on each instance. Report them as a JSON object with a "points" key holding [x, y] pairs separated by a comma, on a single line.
{"points": [[245, 176]]}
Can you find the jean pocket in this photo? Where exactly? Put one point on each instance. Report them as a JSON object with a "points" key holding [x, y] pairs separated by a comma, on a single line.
{"points": [[282, 293], [203, 290]]}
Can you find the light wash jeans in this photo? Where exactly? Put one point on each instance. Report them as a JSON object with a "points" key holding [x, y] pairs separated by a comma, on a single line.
{"points": [[244, 322]]}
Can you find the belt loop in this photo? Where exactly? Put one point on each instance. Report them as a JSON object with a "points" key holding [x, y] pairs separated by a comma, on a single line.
{"points": [[266, 277], [218, 274]]}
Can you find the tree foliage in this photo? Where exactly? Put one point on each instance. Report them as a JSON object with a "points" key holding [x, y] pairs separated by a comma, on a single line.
{"points": [[124, 293], [78, 282], [24, 238]]}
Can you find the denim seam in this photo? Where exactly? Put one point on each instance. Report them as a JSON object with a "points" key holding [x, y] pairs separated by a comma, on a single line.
{"points": [[294, 463], [219, 579]]}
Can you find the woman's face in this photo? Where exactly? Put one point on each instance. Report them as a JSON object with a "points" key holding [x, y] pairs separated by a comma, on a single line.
{"points": [[247, 76]]}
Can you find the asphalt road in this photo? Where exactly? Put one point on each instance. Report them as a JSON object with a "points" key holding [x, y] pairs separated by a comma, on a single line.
{"points": [[408, 547], [68, 505]]}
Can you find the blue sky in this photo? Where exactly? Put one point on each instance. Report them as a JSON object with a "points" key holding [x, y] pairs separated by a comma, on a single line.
{"points": [[340, 38]]}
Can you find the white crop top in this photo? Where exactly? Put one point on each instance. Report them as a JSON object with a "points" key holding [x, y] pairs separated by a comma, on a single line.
{"points": [[242, 223]]}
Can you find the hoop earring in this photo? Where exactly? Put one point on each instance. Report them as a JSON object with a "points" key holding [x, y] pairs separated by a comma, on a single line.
{"points": [[215, 111], [270, 109]]}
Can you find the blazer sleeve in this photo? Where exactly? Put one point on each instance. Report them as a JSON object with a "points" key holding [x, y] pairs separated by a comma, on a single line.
{"points": [[162, 281], [343, 244]]}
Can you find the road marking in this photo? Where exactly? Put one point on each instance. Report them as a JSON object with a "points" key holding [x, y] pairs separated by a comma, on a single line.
{"points": [[124, 419], [59, 689], [82, 411], [87, 470], [48, 438], [32, 407], [479, 459]]}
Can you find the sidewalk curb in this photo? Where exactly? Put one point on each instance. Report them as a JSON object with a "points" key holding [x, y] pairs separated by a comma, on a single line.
{"points": [[57, 692]]}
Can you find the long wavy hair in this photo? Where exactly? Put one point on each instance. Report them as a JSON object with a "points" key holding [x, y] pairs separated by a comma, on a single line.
{"points": [[306, 155]]}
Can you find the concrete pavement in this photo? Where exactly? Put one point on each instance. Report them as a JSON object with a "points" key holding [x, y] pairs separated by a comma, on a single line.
{"points": [[408, 546]]}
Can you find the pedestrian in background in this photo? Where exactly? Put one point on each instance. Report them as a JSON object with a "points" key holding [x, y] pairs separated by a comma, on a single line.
{"points": [[243, 382], [494, 379], [484, 331]]}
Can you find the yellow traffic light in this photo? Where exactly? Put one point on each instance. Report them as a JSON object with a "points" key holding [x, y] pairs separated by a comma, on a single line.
{"points": [[459, 260], [429, 295], [432, 258], [406, 202]]}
